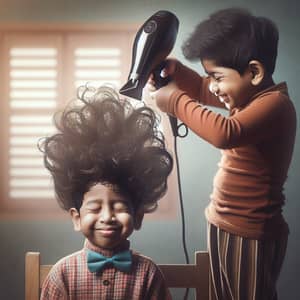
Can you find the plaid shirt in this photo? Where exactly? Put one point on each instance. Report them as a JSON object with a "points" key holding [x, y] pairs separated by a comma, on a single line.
{"points": [[70, 278]]}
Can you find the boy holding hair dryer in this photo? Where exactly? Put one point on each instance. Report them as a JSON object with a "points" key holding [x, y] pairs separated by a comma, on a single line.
{"points": [[247, 233]]}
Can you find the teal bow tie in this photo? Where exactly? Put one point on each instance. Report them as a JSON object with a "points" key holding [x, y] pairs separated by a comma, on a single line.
{"points": [[121, 261]]}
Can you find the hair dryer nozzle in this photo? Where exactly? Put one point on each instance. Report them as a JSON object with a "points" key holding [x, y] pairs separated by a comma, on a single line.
{"points": [[153, 43], [132, 89]]}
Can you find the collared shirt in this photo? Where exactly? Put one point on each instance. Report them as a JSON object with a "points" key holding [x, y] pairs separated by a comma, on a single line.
{"points": [[70, 278]]}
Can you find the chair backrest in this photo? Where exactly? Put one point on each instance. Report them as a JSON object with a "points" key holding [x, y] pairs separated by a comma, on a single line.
{"points": [[195, 276]]}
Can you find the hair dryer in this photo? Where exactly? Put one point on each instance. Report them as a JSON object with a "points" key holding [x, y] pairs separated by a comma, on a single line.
{"points": [[153, 43]]}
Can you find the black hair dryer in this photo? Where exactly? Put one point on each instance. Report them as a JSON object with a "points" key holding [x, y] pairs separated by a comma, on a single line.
{"points": [[153, 43]]}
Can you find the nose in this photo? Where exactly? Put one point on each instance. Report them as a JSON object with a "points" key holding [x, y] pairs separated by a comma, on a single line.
{"points": [[106, 215], [213, 88]]}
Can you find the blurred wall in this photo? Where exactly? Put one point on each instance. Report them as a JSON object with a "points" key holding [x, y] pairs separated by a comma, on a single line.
{"points": [[198, 160]]}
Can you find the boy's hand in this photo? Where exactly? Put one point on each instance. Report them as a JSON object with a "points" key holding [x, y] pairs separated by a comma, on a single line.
{"points": [[162, 95], [167, 71], [185, 78]]}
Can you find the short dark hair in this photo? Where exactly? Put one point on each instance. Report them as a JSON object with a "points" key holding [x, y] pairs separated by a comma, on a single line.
{"points": [[104, 139], [232, 38]]}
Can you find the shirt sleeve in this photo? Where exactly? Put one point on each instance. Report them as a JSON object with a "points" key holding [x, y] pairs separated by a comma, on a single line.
{"points": [[203, 96], [250, 124], [195, 86], [157, 288], [53, 287]]}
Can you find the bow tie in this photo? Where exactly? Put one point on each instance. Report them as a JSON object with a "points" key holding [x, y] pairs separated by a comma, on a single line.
{"points": [[121, 261]]}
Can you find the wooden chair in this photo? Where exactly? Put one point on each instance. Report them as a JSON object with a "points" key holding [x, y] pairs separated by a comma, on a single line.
{"points": [[195, 276]]}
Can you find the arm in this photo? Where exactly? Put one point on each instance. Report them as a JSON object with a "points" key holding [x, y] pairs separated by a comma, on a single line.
{"points": [[187, 80], [156, 287], [53, 287], [256, 121]]}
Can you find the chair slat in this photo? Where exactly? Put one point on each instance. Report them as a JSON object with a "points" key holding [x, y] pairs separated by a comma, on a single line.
{"points": [[32, 276]]}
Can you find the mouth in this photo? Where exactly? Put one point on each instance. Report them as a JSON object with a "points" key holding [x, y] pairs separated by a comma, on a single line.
{"points": [[107, 231], [225, 101]]}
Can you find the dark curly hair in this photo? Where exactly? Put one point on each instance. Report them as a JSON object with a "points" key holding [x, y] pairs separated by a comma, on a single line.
{"points": [[104, 139], [233, 37]]}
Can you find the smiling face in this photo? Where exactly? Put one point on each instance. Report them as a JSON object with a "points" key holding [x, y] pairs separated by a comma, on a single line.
{"points": [[232, 88], [106, 217]]}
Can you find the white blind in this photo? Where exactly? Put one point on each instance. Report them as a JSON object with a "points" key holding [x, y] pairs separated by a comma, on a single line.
{"points": [[43, 73], [97, 59], [97, 66], [40, 71], [32, 99]]}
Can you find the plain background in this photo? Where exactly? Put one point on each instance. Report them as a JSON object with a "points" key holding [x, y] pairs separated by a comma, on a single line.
{"points": [[160, 240]]}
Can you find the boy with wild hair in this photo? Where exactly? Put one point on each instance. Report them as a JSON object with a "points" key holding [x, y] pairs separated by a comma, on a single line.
{"points": [[109, 165], [247, 234]]}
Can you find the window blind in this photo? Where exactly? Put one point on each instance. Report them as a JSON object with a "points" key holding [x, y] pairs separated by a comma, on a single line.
{"points": [[32, 97], [41, 72]]}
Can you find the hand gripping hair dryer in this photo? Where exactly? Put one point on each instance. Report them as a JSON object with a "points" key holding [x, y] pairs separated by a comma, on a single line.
{"points": [[153, 43]]}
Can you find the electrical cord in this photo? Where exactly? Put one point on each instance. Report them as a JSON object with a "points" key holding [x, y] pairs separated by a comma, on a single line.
{"points": [[183, 232]]}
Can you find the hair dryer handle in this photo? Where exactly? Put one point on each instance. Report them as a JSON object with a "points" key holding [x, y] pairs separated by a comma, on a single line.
{"points": [[160, 82], [158, 79]]}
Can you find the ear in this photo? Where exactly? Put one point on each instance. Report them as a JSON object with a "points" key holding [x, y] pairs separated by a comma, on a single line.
{"points": [[75, 218], [257, 71], [138, 219]]}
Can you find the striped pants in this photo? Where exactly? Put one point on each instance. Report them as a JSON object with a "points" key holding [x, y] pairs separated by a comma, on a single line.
{"points": [[244, 269]]}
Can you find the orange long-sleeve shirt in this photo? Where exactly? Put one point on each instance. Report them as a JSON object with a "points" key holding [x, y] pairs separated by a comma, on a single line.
{"points": [[257, 144]]}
